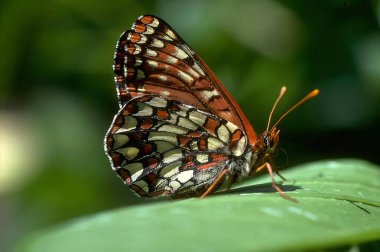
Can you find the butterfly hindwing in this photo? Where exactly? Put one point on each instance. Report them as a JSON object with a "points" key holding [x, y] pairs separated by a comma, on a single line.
{"points": [[160, 146]]}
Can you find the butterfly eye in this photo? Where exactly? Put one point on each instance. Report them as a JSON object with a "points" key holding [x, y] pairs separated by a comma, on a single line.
{"points": [[268, 142]]}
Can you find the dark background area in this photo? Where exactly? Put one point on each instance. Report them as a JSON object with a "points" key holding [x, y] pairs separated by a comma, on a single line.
{"points": [[57, 97]]}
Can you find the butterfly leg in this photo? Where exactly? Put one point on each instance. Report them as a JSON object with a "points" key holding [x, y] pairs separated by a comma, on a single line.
{"points": [[215, 183], [274, 184], [275, 169]]}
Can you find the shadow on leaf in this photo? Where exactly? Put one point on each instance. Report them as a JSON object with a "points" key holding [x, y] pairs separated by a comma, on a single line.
{"points": [[260, 188]]}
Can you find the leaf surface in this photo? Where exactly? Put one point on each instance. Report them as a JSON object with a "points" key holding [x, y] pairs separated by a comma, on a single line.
{"points": [[338, 204]]}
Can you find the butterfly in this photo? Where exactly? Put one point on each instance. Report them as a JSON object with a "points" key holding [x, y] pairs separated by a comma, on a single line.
{"points": [[178, 132]]}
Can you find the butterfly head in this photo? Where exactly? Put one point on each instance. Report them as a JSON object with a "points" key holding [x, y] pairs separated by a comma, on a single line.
{"points": [[270, 140], [266, 145]]}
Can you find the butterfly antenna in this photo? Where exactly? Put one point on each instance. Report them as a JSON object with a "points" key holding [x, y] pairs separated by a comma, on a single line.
{"points": [[282, 93], [310, 95]]}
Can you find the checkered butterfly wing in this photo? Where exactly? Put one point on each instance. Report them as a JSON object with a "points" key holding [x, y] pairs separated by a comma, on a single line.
{"points": [[160, 146], [153, 59], [177, 126]]}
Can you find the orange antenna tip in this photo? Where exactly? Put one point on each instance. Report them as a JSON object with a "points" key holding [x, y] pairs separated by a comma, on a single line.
{"points": [[310, 95], [283, 90], [282, 93], [314, 93]]}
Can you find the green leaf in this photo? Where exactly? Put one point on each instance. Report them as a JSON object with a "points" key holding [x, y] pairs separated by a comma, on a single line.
{"points": [[338, 205]]}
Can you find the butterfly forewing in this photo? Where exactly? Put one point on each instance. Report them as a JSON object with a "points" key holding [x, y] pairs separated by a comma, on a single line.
{"points": [[177, 128], [152, 58]]}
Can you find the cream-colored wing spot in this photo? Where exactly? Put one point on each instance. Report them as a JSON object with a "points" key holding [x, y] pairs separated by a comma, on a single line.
{"points": [[137, 49], [179, 53], [172, 156], [223, 133], [171, 60], [202, 158], [163, 136], [135, 169], [130, 124], [193, 73], [163, 78], [171, 34], [232, 127], [149, 30], [154, 23], [144, 110], [172, 129], [158, 102], [214, 144], [174, 184], [185, 77], [165, 93], [152, 63], [198, 69], [194, 145], [183, 111], [157, 43], [129, 153], [207, 94], [197, 117], [186, 123], [163, 146], [120, 140], [172, 118], [170, 169], [164, 37], [185, 176], [150, 53], [137, 174], [240, 147]]}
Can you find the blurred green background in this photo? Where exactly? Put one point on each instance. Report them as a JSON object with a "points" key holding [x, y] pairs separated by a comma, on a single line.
{"points": [[57, 97]]}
